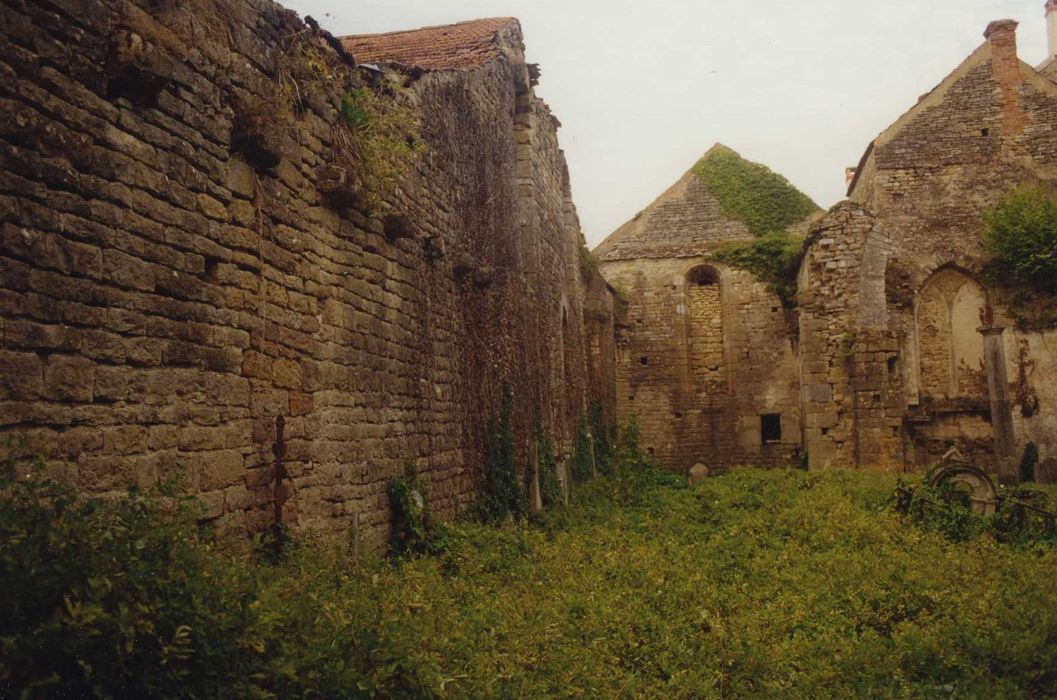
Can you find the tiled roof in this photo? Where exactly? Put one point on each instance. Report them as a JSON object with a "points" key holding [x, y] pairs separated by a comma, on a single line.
{"points": [[449, 47]]}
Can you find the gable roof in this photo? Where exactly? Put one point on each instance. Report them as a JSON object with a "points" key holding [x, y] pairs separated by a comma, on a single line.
{"points": [[687, 220], [461, 46]]}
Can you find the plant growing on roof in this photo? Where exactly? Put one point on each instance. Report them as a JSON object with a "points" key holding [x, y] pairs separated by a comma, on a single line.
{"points": [[767, 204], [752, 193], [377, 138]]}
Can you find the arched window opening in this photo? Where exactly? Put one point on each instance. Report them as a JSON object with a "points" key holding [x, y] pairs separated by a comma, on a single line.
{"points": [[705, 328], [950, 310], [703, 276]]}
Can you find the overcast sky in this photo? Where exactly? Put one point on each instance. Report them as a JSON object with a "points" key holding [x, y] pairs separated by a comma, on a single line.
{"points": [[644, 88]]}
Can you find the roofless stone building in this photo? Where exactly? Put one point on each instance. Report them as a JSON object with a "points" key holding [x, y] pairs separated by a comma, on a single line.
{"points": [[208, 271], [900, 348], [706, 356]]}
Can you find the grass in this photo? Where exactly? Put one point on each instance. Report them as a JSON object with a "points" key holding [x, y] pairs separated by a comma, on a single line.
{"points": [[758, 583], [754, 584]]}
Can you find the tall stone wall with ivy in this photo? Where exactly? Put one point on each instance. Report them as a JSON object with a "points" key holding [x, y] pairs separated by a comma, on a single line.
{"points": [[186, 258]]}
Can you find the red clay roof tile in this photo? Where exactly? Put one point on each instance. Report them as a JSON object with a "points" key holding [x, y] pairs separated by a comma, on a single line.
{"points": [[449, 47]]}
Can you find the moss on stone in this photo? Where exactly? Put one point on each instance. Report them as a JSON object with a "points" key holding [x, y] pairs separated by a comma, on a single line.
{"points": [[752, 193]]}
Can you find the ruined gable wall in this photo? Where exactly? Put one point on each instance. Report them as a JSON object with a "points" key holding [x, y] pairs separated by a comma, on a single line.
{"points": [[849, 365], [925, 186], [685, 220], [163, 302], [697, 366]]}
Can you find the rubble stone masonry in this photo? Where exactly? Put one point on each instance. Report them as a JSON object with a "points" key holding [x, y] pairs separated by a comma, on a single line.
{"points": [[893, 299], [165, 297]]}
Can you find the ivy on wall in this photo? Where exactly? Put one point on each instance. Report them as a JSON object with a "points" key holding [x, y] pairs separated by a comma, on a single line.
{"points": [[774, 258], [752, 193], [768, 204]]}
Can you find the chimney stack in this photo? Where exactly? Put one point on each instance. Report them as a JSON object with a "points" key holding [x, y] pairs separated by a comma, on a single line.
{"points": [[1002, 35], [1005, 69], [1051, 25]]}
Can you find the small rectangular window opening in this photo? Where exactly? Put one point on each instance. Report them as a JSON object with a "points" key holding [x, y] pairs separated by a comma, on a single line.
{"points": [[771, 428]]}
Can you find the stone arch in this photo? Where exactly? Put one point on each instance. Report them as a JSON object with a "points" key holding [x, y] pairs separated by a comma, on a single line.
{"points": [[873, 304], [706, 329], [950, 308]]}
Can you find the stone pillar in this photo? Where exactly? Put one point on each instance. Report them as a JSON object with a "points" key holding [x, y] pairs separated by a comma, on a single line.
{"points": [[1001, 406]]}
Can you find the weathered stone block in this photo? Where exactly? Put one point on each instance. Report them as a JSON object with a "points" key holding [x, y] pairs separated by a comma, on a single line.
{"points": [[69, 378], [220, 469], [21, 375]]}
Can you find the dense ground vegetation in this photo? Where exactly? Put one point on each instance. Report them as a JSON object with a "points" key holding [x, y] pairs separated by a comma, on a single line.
{"points": [[753, 584]]}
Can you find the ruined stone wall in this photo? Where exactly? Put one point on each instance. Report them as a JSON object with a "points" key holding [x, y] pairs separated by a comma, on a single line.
{"points": [[703, 352], [164, 301], [912, 299]]}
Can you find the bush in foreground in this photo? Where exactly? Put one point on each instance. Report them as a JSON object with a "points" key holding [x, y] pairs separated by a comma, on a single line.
{"points": [[752, 584]]}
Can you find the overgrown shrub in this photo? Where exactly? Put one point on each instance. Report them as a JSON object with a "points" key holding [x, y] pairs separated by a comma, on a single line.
{"points": [[775, 583], [942, 510], [502, 494], [414, 530], [114, 598], [773, 258], [1028, 462], [947, 510], [1021, 232]]}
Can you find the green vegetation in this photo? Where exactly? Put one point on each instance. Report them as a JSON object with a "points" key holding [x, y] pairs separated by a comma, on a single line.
{"points": [[946, 510], [502, 493], [378, 139], [414, 530], [768, 204], [547, 464], [605, 437], [774, 258], [1028, 462], [753, 584], [583, 454], [752, 193], [1021, 233]]}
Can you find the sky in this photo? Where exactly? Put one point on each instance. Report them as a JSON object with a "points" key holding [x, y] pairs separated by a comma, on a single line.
{"points": [[644, 88]]}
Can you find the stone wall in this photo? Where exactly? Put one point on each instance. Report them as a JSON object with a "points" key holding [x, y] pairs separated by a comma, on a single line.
{"points": [[703, 354], [895, 278], [164, 301]]}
